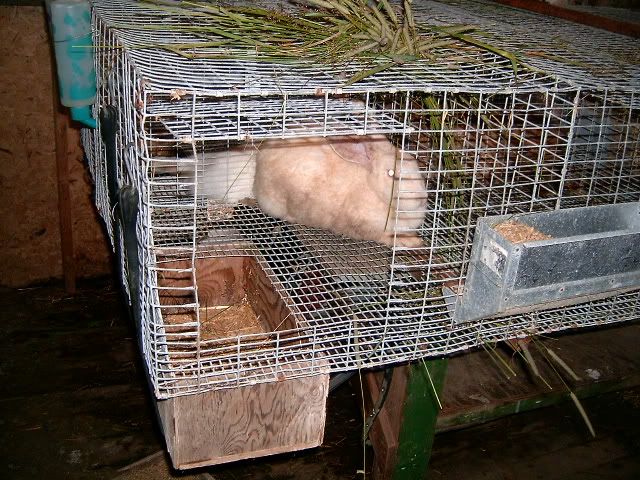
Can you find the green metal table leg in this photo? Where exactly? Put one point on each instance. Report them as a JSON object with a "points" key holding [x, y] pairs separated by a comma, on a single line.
{"points": [[419, 419]]}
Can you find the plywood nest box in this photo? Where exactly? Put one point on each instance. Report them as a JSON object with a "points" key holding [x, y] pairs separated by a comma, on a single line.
{"points": [[229, 424]]}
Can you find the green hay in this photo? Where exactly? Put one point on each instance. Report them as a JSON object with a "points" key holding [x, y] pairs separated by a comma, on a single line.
{"points": [[377, 35]]}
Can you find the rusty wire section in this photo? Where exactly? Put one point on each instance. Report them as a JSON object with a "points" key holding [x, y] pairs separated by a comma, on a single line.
{"points": [[486, 144]]}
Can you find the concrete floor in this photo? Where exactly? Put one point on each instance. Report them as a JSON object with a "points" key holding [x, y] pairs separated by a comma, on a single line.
{"points": [[73, 405]]}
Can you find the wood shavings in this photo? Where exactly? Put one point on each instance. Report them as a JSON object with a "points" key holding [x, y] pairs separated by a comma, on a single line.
{"points": [[219, 211], [518, 232], [177, 94]]}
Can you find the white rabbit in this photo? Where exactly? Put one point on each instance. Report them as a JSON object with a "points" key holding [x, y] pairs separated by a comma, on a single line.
{"points": [[346, 184], [225, 176]]}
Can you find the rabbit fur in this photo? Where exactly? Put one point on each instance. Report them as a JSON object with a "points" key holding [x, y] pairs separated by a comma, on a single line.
{"points": [[225, 176], [346, 184]]}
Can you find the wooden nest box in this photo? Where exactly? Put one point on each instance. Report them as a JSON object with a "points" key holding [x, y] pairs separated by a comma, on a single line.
{"points": [[225, 425]]}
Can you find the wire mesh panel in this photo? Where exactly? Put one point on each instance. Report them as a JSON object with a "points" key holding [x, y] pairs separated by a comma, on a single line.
{"points": [[231, 296]]}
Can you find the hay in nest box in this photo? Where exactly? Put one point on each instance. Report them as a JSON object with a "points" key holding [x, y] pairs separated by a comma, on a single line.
{"points": [[217, 322], [232, 321]]}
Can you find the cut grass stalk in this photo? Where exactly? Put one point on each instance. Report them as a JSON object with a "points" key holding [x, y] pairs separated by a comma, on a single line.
{"points": [[433, 387], [562, 364], [574, 398], [497, 359], [333, 32]]}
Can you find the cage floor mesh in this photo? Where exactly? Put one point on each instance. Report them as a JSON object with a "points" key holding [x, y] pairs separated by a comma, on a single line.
{"points": [[337, 290]]}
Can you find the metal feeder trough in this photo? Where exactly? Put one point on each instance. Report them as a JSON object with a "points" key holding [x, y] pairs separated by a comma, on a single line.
{"points": [[589, 253]]}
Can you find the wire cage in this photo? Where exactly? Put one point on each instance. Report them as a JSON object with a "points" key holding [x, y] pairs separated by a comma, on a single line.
{"points": [[564, 132]]}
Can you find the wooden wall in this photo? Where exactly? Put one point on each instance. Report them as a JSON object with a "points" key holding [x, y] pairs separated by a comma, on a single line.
{"points": [[29, 222]]}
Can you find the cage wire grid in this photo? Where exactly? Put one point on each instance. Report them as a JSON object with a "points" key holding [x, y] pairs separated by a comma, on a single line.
{"points": [[487, 143]]}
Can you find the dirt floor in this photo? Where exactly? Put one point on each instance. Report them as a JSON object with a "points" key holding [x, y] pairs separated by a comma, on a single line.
{"points": [[74, 405]]}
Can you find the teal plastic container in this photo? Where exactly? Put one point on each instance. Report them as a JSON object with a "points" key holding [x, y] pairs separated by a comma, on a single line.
{"points": [[71, 31]]}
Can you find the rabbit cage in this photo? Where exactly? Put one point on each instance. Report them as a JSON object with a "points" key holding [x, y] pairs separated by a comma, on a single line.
{"points": [[529, 210]]}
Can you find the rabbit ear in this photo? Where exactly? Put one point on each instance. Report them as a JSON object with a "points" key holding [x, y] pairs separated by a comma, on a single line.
{"points": [[352, 149]]}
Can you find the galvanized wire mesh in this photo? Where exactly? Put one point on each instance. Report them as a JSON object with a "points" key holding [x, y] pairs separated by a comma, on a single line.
{"points": [[487, 143]]}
